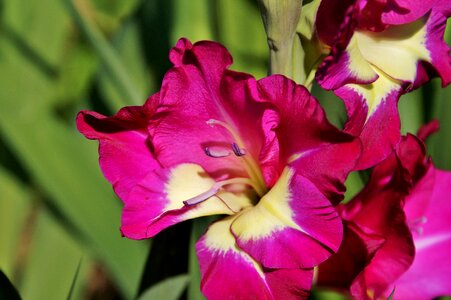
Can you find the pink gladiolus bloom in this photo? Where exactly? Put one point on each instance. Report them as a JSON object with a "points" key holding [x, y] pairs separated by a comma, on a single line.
{"points": [[380, 49], [215, 141], [397, 231]]}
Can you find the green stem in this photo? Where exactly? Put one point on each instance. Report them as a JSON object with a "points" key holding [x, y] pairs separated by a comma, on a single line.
{"points": [[281, 18]]}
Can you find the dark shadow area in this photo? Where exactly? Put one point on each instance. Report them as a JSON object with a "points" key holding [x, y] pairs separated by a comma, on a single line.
{"points": [[169, 255], [11, 163]]}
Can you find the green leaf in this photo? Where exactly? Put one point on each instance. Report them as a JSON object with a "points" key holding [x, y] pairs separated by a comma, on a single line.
{"points": [[52, 258], [76, 72], [64, 165], [318, 294], [128, 46], [439, 144], [168, 289], [38, 26], [411, 112], [192, 20], [113, 11], [333, 106], [130, 94], [354, 184], [240, 28], [70, 294], [7, 290], [14, 208]]}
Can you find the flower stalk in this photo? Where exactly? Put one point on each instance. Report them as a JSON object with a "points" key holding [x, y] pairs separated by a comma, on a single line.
{"points": [[281, 18]]}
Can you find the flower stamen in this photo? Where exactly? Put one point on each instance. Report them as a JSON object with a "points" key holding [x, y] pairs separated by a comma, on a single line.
{"points": [[251, 166], [216, 153], [237, 150], [215, 189]]}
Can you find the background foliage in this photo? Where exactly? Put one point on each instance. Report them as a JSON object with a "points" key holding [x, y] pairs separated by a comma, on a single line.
{"points": [[59, 218]]}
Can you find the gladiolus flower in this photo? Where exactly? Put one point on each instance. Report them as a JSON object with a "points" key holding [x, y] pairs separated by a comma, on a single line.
{"points": [[215, 141], [397, 231], [380, 49]]}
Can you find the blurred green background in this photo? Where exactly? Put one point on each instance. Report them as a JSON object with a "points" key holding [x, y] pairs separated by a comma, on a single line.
{"points": [[59, 218]]}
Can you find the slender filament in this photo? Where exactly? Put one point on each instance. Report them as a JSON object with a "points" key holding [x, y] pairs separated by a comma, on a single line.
{"points": [[251, 166]]}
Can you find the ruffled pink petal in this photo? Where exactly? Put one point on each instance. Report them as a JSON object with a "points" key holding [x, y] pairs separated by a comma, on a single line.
{"points": [[230, 273], [125, 154], [318, 144], [430, 274], [336, 23], [343, 268], [200, 88], [406, 11], [438, 49], [336, 71], [379, 207], [335, 20], [295, 220], [378, 127], [156, 202]]}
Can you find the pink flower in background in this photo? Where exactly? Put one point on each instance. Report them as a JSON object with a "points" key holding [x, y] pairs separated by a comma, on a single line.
{"points": [[215, 141], [380, 49], [397, 231]]}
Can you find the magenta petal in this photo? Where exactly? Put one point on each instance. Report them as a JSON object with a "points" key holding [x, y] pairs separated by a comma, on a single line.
{"points": [[406, 11], [333, 19], [334, 72], [302, 114], [156, 202], [315, 166], [428, 129], [124, 153], [440, 51], [379, 130], [294, 220], [229, 273], [318, 144], [201, 88], [430, 274], [356, 251], [289, 283]]}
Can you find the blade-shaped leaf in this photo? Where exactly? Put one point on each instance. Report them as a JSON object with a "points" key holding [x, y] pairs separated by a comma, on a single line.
{"points": [[192, 19], [127, 43], [51, 259], [168, 289], [64, 165], [129, 91], [239, 27], [14, 208]]}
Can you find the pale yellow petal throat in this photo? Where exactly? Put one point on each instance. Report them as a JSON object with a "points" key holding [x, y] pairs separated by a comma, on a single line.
{"points": [[271, 214], [392, 54]]}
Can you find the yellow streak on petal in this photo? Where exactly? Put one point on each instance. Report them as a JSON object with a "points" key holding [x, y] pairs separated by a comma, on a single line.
{"points": [[189, 180], [186, 181], [218, 238], [396, 50], [270, 215], [375, 92]]}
